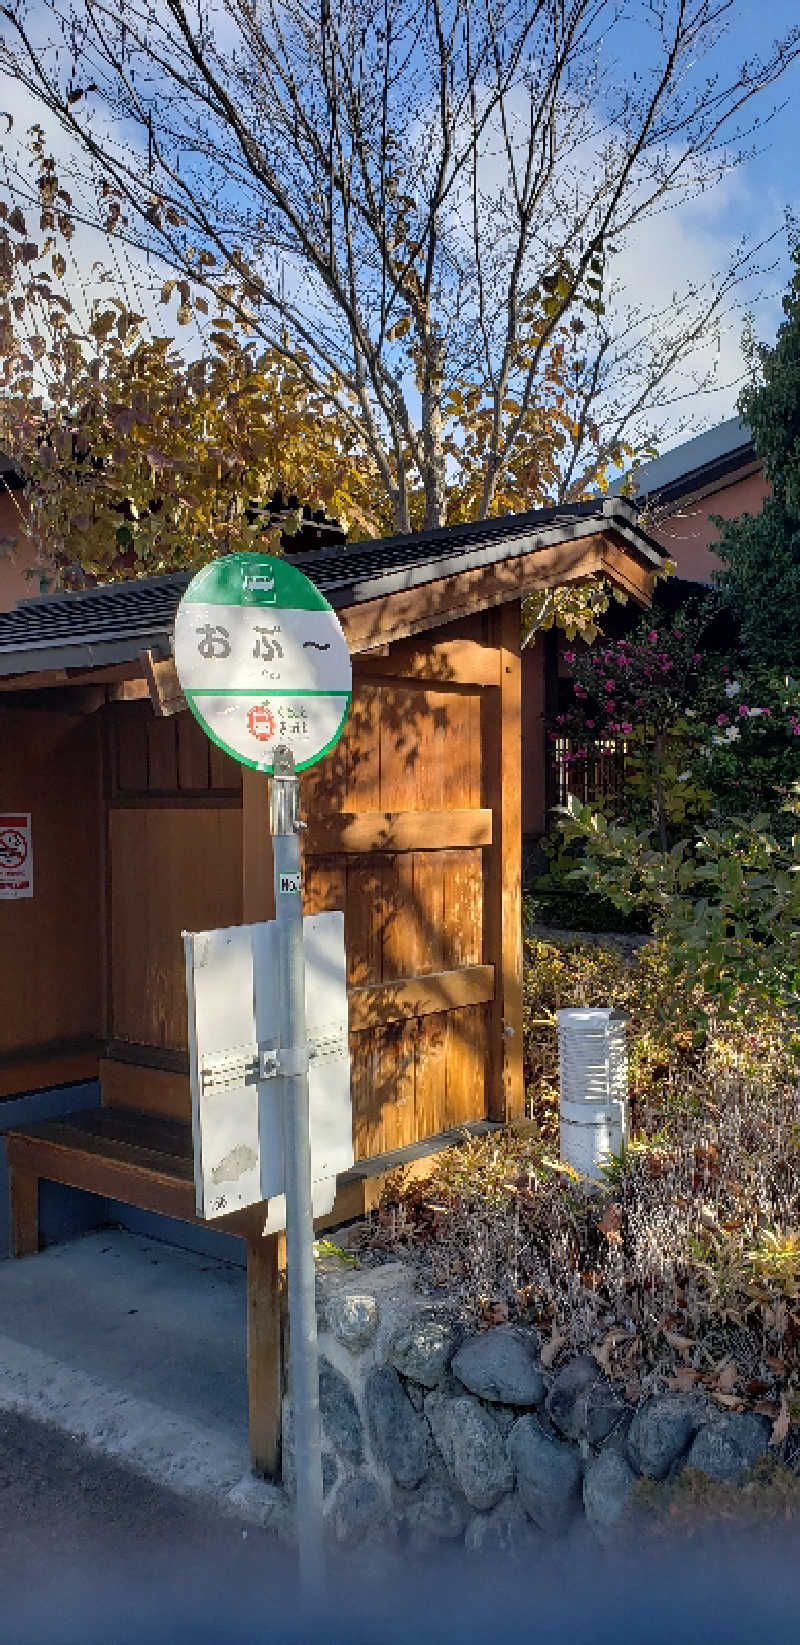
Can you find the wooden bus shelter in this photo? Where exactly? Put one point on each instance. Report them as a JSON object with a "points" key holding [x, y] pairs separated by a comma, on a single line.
{"points": [[142, 828]]}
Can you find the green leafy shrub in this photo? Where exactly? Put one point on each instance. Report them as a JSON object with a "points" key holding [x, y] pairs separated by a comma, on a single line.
{"points": [[724, 904]]}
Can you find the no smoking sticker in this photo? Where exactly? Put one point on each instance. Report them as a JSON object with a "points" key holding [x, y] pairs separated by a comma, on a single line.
{"points": [[16, 855]]}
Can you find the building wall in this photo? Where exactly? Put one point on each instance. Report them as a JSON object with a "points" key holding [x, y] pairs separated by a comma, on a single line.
{"points": [[16, 554], [689, 535]]}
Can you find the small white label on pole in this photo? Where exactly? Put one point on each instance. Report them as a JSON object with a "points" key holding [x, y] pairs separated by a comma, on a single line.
{"points": [[289, 883], [16, 855]]}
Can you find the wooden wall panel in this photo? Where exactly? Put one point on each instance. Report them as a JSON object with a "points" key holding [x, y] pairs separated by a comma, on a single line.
{"points": [[193, 753], [416, 1078], [162, 754], [172, 869], [51, 945], [404, 914], [412, 747], [166, 756]]}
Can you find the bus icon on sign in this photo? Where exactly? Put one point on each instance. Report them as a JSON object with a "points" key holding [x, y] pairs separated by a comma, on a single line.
{"points": [[259, 581]]}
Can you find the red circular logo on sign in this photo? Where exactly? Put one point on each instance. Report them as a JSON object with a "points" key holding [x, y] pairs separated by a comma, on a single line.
{"points": [[261, 723], [13, 848]]}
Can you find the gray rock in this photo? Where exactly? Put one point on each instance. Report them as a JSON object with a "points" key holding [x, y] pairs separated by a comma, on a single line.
{"points": [[472, 1446], [423, 1349], [339, 1412], [358, 1509], [504, 1417], [730, 1445], [663, 1429], [583, 1403], [353, 1319], [548, 1475], [607, 1487], [502, 1365], [618, 1438], [505, 1531], [435, 1514], [398, 1433]]}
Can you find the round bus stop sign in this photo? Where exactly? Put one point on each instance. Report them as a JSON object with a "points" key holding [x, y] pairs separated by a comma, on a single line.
{"points": [[262, 660]]}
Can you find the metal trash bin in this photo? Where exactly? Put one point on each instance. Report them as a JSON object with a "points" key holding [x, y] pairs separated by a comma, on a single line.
{"points": [[593, 1083]]}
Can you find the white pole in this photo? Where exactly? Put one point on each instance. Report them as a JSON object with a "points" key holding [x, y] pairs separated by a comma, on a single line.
{"points": [[293, 1063]]}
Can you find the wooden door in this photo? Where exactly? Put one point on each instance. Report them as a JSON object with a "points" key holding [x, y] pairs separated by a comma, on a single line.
{"points": [[411, 831]]}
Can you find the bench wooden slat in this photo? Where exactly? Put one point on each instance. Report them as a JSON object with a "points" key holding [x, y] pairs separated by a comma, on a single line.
{"points": [[107, 1146]]}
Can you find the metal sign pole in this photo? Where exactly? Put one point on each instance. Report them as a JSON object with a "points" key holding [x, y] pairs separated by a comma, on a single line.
{"points": [[293, 1064]]}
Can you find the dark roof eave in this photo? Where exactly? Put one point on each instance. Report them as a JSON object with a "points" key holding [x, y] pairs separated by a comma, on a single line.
{"points": [[475, 546], [697, 479], [81, 655]]}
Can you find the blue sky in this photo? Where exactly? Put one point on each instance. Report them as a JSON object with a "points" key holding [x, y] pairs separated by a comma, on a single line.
{"points": [[751, 202]]}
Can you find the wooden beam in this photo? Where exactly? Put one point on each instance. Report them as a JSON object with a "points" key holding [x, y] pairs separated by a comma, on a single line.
{"points": [[33, 1068], [502, 739], [150, 1090], [445, 662], [258, 892], [410, 611], [128, 691], [372, 1004], [353, 832], [24, 1197], [132, 1183], [163, 684], [264, 1352], [44, 679]]}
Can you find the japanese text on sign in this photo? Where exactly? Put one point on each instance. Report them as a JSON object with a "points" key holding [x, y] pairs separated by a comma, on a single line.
{"points": [[16, 855]]}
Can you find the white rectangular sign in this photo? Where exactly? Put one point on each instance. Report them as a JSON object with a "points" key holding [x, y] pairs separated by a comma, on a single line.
{"points": [[249, 649], [237, 1117], [16, 855]]}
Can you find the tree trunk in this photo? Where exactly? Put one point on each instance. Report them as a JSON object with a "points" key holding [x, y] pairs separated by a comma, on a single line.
{"points": [[435, 476]]}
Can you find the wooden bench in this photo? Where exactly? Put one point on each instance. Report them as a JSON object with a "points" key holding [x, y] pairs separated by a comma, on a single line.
{"points": [[146, 1160]]}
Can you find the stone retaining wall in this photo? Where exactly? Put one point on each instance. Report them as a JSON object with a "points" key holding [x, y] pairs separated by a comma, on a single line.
{"points": [[435, 1434]]}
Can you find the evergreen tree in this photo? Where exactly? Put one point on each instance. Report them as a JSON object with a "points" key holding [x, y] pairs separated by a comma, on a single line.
{"points": [[761, 552]]}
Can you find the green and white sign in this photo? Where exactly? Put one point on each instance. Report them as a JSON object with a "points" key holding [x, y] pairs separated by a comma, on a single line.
{"points": [[262, 660]]}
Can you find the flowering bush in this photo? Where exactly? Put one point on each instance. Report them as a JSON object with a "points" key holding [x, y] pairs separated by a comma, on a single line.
{"points": [[749, 757], [641, 690], [702, 737]]}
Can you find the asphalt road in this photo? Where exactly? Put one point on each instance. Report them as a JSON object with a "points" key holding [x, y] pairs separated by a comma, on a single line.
{"points": [[92, 1553]]}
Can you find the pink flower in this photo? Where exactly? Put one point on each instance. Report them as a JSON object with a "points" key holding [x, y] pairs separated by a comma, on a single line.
{"points": [[579, 691], [608, 685], [569, 656], [697, 657], [743, 710], [590, 725], [627, 728], [722, 719], [678, 632], [653, 636]]}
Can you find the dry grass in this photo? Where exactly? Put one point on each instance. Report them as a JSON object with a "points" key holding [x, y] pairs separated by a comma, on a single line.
{"points": [[681, 1271]]}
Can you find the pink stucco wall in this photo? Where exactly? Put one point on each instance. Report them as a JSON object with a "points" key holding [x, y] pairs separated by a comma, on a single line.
{"points": [[688, 536], [16, 555]]}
